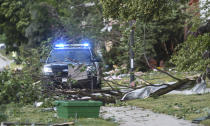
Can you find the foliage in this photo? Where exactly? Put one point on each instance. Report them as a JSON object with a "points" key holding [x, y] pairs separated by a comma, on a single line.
{"points": [[44, 23], [17, 85], [31, 22], [136, 9], [189, 55], [14, 18], [161, 37], [2, 38], [3, 117], [82, 22], [45, 48], [164, 27], [25, 22]]}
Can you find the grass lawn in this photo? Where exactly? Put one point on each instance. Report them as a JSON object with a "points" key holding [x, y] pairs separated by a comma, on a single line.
{"points": [[28, 113], [187, 107], [157, 78]]}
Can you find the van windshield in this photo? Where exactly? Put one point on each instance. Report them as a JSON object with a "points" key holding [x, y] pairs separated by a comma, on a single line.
{"points": [[70, 55]]}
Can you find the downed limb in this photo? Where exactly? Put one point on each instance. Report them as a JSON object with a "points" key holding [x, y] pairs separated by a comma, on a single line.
{"points": [[168, 74], [104, 99], [78, 94], [109, 81], [158, 90], [146, 82], [177, 85]]}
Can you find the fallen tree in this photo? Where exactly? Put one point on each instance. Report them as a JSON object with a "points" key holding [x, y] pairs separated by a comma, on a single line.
{"points": [[182, 84], [115, 93]]}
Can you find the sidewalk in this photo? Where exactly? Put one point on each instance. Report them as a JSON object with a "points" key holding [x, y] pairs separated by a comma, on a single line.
{"points": [[133, 116]]}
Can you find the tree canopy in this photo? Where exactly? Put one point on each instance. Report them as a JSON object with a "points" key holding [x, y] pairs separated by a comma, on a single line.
{"points": [[14, 19], [164, 27], [145, 10], [160, 22]]}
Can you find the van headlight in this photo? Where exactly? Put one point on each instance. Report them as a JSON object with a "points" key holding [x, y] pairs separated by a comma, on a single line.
{"points": [[47, 69]]}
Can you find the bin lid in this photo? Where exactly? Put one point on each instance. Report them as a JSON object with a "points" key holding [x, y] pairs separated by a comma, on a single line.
{"points": [[77, 103]]}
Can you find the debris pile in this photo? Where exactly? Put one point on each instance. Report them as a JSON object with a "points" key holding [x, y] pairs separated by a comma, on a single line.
{"points": [[116, 91]]}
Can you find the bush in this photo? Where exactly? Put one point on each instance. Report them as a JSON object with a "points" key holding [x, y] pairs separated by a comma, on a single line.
{"points": [[189, 54], [3, 117], [16, 86]]}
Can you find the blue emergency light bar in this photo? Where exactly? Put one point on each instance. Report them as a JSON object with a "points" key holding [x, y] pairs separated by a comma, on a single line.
{"points": [[59, 45], [63, 46], [85, 44]]}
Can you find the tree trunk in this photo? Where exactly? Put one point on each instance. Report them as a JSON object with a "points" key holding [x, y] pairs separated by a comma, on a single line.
{"points": [[179, 85]]}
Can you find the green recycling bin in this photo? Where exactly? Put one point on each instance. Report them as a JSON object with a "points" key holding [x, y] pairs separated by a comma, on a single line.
{"points": [[79, 109]]}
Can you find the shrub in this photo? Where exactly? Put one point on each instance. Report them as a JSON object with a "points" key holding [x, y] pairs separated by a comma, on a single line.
{"points": [[16, 86], [189, 54]]}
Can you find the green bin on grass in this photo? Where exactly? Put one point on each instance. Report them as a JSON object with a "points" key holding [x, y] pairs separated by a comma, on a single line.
{"points": [[80, 109]]}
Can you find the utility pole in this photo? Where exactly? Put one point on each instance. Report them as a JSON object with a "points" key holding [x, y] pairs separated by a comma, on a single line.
{"points": [[131, 54]]}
